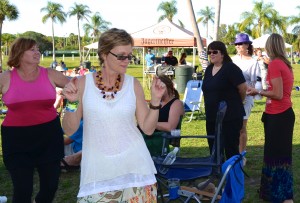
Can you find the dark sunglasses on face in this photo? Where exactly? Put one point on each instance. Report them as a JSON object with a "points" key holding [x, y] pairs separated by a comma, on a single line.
{"points": [[121, 57], [213, 52], [238, 44]]}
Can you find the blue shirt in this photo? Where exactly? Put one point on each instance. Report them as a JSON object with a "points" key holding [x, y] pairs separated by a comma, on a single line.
{"points": [[77, 138]]}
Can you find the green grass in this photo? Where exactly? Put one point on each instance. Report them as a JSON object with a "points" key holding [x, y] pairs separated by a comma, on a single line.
{"points": [[69, 182]]}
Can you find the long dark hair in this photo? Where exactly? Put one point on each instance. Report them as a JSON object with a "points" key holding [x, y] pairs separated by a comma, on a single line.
{"points": [[170, 86], [218, 45]]}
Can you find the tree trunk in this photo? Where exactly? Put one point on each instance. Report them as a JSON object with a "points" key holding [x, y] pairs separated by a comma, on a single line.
{"points": [[201, 52], [0, 46], [53, 43], [217, 19], [79, 43], [195, 27]]}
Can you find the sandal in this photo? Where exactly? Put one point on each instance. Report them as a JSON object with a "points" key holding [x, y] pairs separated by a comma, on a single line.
{"points": [[67, 167]]}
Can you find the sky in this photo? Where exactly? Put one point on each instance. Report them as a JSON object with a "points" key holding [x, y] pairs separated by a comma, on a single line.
{"points": [[131, 15]]}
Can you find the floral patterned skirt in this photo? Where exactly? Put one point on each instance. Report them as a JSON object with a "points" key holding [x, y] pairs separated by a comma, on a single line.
{"points": [[146, 194], [277, 175]]}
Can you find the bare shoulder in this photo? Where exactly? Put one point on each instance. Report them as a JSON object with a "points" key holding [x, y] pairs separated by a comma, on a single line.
{"points": [[57, 78], [178, 104]]}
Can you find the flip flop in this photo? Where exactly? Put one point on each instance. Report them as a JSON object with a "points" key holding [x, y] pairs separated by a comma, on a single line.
{"points": [[67, 167]]}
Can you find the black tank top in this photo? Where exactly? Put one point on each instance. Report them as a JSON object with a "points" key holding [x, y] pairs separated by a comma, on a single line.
{"points": [[164, 111]]}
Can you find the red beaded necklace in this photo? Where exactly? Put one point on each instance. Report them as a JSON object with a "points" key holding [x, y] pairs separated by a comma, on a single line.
{"points": [[108, 92]]}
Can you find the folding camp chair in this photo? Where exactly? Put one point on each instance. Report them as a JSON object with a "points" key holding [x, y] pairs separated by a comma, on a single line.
{"points": [[192, 97], [193, 168], [233, 173]]}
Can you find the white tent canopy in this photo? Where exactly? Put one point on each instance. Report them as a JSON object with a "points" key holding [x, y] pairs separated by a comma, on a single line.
{"points": [[165, 34], [260, 42], [92, 46]]}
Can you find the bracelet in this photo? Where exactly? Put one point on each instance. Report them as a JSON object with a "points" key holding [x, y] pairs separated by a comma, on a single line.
{"points": [[154, 107], [72, 106]]}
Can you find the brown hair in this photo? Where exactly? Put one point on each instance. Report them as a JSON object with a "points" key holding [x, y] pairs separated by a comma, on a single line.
{"points": [[275, 48], [17, 50], [110, 39], [170, 86]]}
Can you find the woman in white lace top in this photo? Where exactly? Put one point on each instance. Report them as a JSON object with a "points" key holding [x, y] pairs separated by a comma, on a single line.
{"points": [[116, 164]]}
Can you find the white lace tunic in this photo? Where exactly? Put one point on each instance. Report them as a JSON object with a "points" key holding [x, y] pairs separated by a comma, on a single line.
{"points": [[114, 154]]}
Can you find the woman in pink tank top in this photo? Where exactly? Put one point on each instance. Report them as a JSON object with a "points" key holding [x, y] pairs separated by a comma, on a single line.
{"points": [[31, 131]]}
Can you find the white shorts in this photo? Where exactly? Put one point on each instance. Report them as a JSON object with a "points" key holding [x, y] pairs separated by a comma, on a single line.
{"points": [[248, 105]]}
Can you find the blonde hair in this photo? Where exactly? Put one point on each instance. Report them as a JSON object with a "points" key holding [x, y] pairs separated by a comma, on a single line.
{"points": [[275, 48], [110, 39]]}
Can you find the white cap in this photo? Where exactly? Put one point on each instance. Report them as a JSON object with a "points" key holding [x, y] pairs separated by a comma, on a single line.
{"points": [[59, 68]]}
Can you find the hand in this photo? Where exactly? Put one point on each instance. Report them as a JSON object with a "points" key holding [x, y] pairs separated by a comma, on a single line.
{"points": [[70, 91], [158, 89], [251, 91]]}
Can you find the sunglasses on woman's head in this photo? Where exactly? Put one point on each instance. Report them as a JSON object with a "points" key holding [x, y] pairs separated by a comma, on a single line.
{"points": [[213, 52], [121, 57]]}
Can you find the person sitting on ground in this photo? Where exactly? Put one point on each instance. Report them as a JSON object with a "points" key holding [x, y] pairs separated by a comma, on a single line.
{"points": [[73, 149], [63, 65], [53, 64], [93, 69], [81, 70], [170, 59]]}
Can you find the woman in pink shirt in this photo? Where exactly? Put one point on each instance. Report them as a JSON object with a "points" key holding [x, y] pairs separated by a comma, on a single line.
{"points": [[31, 133], [278, 118]]}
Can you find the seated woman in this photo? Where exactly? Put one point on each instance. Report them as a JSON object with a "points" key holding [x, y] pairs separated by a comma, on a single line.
{"points": [[171, 111], [73, 150]]}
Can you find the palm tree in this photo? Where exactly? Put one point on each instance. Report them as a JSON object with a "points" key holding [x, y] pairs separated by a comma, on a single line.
{"points": [[81, 12], [200, 46], [260, 19], [7, 40], [7, 11], [54, 11], [296, 20], [232, 31], [169, 9], [296, 29], [96, 27], [217, 19], [206, 15]]}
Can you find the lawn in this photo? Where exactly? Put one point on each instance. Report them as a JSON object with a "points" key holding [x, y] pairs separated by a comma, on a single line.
{"points": [[69, 182]]}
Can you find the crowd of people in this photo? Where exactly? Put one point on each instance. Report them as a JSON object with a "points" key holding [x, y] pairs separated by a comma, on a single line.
{"points": [[105, 114]]}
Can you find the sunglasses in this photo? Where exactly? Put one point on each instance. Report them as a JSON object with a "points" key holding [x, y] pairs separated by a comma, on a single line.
{"points": [[239, 44], [213, 52], [121, 57]]}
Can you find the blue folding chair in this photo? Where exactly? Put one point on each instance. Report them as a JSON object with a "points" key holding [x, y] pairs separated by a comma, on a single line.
{"points": [[233, 173], [193, 168], [192, 97]]}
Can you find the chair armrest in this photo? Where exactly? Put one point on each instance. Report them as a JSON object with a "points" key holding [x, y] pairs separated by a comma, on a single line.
{"points": [[169, 136], [195, 102]]}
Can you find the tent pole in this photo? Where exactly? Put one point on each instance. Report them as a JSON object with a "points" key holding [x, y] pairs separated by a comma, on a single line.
{"points": [[194, 56], [143, 67]]}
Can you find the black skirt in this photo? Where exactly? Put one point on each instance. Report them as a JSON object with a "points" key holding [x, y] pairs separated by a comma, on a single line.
{"points": [[28, 146]]}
